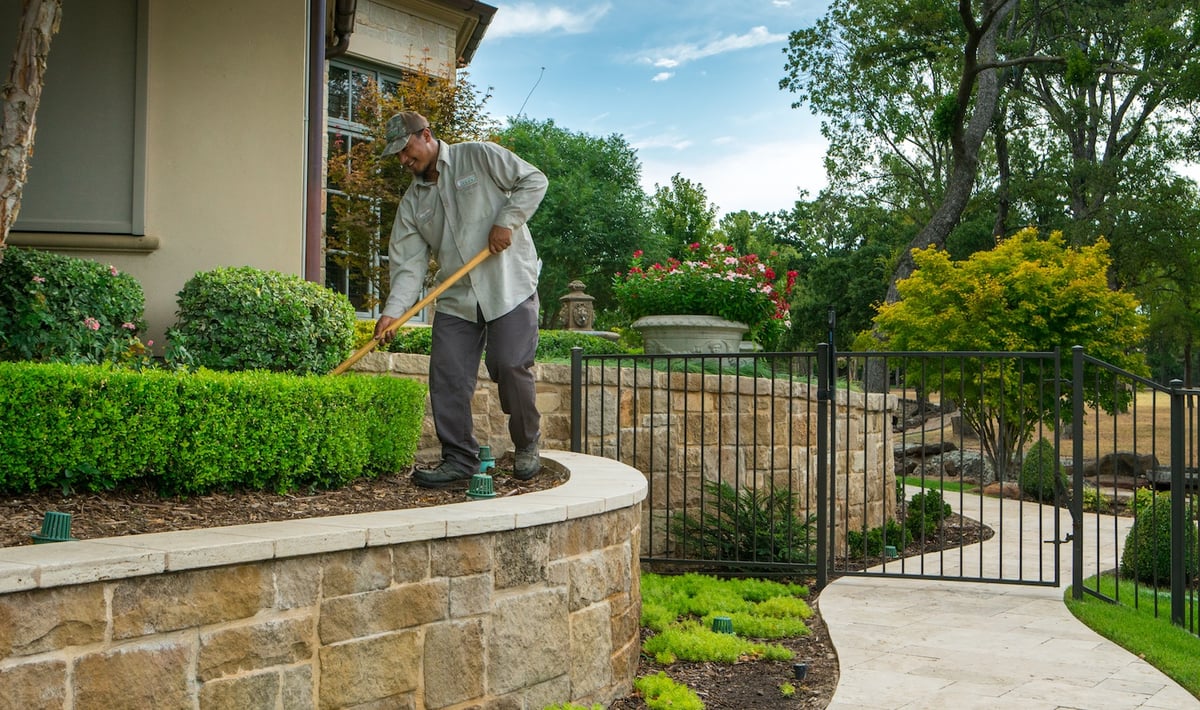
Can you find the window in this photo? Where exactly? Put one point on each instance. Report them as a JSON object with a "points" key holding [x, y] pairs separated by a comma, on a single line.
{"points": [[344, 90], [89, 169]]}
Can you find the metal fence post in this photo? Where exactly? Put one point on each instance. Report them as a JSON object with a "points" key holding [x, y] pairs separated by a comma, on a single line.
{"points": [[824, 555], [576, 400], [1178, 503], [1077, 473]]}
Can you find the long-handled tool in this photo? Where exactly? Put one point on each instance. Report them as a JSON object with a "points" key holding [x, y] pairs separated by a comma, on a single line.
{"points": [[462, 271]]}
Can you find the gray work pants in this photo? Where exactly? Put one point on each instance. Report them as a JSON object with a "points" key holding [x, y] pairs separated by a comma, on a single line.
{"points": [[511, 344]]}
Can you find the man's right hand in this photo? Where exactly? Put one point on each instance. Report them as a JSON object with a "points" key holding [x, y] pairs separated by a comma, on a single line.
{"points": [[381, 327]]}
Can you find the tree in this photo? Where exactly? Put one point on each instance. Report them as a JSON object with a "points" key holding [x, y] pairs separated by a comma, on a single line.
{"points": [[680, 215], [365, 188], [1026, 294], [21, 95], [594, 214]]}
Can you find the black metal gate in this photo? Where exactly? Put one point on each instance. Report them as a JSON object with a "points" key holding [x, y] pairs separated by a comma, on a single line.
{"points": [[876, 463]]}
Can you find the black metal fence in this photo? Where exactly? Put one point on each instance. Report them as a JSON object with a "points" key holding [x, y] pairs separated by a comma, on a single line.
{"points": [[829, 463], [1143, 481]]}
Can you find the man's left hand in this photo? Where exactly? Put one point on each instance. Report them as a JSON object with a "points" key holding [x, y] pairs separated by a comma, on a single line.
{"points": [[499, 239]]}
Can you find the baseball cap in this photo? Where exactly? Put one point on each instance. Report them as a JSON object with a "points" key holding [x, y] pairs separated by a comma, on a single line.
{"points": [[401, 127]]}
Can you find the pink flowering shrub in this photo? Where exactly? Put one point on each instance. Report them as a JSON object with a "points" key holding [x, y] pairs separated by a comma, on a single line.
{"points": [[56, 308], [714, 282]]}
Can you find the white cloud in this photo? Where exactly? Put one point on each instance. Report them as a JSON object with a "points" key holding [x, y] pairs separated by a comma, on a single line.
{"points": [[527, 18], [767, 177], [663, 76], [670, 57], [782, 3], [666, 140]]}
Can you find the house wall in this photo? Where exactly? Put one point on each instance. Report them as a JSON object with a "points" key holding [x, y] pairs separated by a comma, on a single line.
{"points": [[225, 135]]}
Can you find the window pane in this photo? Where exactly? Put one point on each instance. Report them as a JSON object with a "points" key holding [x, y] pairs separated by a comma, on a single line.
{"points": [[339, 93], [360, 80]]}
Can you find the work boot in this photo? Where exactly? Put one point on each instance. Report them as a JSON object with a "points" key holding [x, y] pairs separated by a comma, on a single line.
{"points": [[526, 461], [446, 475]]}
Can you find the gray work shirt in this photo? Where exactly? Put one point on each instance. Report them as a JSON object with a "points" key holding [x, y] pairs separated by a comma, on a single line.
{"points": [[478, 185]]}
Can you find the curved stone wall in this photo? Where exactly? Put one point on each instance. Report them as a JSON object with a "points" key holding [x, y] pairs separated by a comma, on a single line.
{"points": [[517, 602]]}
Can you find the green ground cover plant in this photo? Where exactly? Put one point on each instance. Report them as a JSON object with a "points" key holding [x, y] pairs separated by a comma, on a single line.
{"points": [[662, 693], [1140, 630], [680, 610]]}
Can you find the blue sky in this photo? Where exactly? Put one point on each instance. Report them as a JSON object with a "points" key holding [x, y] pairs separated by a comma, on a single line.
{"points": [[693, 87]]}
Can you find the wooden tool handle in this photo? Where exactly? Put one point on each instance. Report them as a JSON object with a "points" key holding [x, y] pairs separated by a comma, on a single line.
{"points": [[450, 280]]}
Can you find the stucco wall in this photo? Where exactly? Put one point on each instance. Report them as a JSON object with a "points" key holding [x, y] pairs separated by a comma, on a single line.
{"points": [[517, 602]]}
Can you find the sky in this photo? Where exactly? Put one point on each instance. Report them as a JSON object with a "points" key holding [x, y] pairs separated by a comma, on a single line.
{"points": [[693, 87]]}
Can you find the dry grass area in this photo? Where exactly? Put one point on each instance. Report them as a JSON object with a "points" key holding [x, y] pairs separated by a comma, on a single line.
{"points": [[1144, 428]]}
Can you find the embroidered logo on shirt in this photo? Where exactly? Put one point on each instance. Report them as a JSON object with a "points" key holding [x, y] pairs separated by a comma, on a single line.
{"points": [[467, 181], [425, 215]]}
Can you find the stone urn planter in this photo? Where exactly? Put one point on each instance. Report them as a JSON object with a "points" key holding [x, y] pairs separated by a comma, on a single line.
{"points": [[678, 334]]}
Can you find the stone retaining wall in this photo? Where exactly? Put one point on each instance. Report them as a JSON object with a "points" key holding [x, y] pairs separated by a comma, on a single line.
{"points": [[517, 602], [682, 429]]}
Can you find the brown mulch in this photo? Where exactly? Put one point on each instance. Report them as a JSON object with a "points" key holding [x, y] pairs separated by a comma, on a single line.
{"points": [[752, 684]]}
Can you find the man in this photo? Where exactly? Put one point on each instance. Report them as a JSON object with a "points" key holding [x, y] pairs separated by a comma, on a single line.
{"points": [[464, 198]]}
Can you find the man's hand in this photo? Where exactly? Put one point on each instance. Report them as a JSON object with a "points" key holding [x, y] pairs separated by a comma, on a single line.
{"points": [[381, 326], [499, 239]]}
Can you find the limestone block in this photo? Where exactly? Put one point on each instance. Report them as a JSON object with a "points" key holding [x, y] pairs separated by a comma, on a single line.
{"points": [[410, 562], [529, 641], [296, 687], [188, 599], [297, 582], [153, 675], [599, 575], [591, 638], [521, 557], [380, 668], [253, 691], [454, 654], [250, 647], [36, 621], [552, 692], [470, 595], [357, 571], [369, 613], [451, 558], [34, 685]]}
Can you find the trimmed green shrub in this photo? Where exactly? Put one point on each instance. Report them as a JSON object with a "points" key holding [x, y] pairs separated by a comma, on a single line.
{"points": [[1041, 475], [869, 544], [745, 525], [56, 308], [1146, 556], [95, 427], [557, 344], [552, 344], [242, 318], [924, 514]]}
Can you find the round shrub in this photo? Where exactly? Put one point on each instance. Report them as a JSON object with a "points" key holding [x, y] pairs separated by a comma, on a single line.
{"points": [[1146, 556], [1041, 475], [924, 515], [56, 308], [242, 318]]}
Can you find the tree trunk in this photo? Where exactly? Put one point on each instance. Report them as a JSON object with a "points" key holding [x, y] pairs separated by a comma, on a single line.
{"points": [[21, 95], [967, 136], [965, 140]]}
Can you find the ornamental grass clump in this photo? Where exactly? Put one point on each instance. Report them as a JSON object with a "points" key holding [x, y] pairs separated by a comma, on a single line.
{"points": [[710, 281]]}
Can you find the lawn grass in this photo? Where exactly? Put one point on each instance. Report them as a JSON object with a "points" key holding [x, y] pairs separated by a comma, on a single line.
{"points": [[1163, 645], [936, 484]]}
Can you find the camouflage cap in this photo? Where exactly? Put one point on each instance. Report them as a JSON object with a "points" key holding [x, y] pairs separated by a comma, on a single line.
{"points": [[401, 127]]}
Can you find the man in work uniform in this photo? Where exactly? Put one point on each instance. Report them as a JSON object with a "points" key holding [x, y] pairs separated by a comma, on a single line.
{"points": [[464, 198]]}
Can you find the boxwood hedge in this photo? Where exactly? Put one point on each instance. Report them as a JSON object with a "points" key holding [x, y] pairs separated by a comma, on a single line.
{"points": [[97, 427]]}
